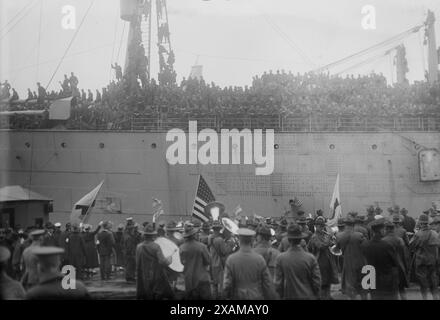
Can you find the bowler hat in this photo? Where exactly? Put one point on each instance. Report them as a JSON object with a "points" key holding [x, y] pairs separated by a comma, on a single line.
{"points": [[294, 231]]}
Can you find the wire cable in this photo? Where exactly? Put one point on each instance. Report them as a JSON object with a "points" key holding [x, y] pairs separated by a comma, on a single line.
{"points": [[71, 42], [13, 18], [18, 21], [387, 42]]}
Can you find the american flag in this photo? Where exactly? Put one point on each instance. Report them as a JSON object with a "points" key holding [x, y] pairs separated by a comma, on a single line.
{"points": [[204, 196]]}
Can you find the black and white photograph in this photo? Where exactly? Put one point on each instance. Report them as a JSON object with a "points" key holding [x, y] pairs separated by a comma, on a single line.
{"points": [[234, 152]]}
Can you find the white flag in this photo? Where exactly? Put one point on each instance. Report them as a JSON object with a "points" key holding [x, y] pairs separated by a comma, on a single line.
{"points": [[335, 206], [81, 209]]}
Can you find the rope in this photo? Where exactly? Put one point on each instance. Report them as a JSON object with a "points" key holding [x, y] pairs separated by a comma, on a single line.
{"points": [[13, 18], [372, 48], [18, 21], [71, 42], [364, 62], [120, 42]]}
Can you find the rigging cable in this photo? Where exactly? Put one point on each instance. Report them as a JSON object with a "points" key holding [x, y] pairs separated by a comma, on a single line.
{"points": [[13, 18], [364, 62], [372, 48], [18, 21], [71, 42], [120, 42]]}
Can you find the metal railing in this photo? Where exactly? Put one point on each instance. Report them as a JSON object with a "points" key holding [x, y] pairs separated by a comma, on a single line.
{"points": [[312, 123]]}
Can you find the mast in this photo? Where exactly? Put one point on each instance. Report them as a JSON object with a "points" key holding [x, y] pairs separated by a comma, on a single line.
{"points": [[432, 48]]}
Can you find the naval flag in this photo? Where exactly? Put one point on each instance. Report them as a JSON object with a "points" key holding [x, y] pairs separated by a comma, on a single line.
{"points": [[82, 208], [335, 206], [204, 196]]}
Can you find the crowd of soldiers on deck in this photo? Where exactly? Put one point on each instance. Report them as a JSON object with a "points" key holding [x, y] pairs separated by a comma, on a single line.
{"points": [[266, 258], [279, 93]]}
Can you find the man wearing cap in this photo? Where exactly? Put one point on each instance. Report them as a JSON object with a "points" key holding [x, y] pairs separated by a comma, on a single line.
{"points": [[151, 281], [349, 241], [424, 247], [265, 249], [370, 215], [51, 285], [246, 274], [10, 289], [297, 274], [195, 258], [383, 257], [408, 222], [130, 242], [76, 250], [401, 254], [319, 245], [219, 249], [30, 261], [106, 244]]}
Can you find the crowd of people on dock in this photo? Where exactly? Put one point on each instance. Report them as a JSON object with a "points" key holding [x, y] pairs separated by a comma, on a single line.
{"points": [[296, 256]]}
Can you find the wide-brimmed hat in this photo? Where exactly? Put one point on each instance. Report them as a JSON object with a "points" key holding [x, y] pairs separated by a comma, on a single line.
{"points": [[377, 223], [149, 231], [189, 230], [245, 232], [294, 231], [172, 226], [264, 231]]}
